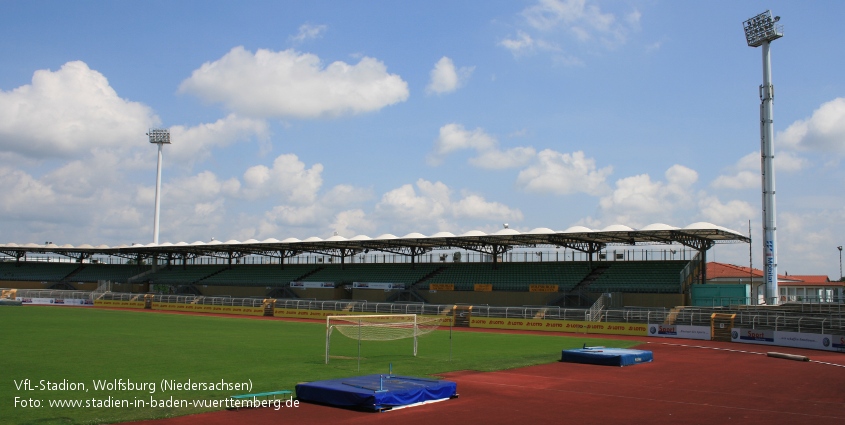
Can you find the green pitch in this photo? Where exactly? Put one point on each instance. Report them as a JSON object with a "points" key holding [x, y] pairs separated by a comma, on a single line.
{"points": [[112, 364]]}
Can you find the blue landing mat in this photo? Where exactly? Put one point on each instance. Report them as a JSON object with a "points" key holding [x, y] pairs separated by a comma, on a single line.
{"points": [[376, 392], [606, 356]]}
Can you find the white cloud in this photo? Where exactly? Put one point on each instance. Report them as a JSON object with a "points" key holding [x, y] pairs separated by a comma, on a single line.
{"points": [[301, 209], [194, 144], [288, 177], [297, 216], [523, 44], [800, 236], [637, 200], [583, 20], [289, 84], [807, 241], [635, 193], [740, 180], [823, 132], [679, 178], [74, 113], [192, 207], [24, 197], [745, 174], [568, 60], [69, 112], [85, 177], [790, 162], [551, 23], [495, 159], [430, 206], [520, 44], [37, 209], [309, 32], [548, 14], [351, 223], [297, 205], [403, 202], [732, 214], [321, 217], [445, 78], [454, 137], [564, 174], [344, 194], [476, 208], [207, 212], [633, 18], [204, 187]]}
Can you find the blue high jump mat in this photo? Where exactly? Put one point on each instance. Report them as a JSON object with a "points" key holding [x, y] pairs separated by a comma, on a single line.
{"points": [[376, 392], [606, 356]]}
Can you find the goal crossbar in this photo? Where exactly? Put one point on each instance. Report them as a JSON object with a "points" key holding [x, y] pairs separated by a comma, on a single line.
{"points": [[379, 327]]}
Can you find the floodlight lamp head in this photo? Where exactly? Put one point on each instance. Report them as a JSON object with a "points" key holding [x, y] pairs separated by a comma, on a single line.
{"points": [[159, 135], [761, 29]]}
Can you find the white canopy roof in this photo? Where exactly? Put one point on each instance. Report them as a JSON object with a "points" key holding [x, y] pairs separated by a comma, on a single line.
{"points": [[699, 235]]}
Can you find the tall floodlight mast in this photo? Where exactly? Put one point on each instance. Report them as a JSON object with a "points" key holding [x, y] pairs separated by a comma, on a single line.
{"points": [[761, 30], [160, 137]]}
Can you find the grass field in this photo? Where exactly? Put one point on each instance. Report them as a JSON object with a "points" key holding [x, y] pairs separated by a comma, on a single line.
{"points": [[65, 345]]}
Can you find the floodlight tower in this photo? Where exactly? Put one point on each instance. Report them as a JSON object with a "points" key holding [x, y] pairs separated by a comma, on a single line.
{"points": [[761, 30], [160, 137]]}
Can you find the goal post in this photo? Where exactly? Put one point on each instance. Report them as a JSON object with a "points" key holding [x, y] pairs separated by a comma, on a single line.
{"points": [[379, 327]]}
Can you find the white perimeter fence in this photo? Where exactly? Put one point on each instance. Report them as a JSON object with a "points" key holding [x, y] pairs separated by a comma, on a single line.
{"points": [[814, 318]]}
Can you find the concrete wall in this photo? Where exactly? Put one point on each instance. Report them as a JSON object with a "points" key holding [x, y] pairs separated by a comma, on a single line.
{"points": [[23, 284], [234, 291], [372, 295], [322, 294], [497, 298], [84, 286], [652, 300], [128, 287]]}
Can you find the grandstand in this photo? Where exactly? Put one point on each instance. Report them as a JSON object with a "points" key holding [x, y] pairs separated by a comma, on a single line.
{"points": [[501, 268], [109, 272], [505, 283], [387, 273], [578, 275], [645, 277], [35, 271], [512, 276], [258, 275]]}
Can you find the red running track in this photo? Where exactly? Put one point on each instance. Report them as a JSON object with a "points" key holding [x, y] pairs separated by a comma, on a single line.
{"points": [[689, 382]]}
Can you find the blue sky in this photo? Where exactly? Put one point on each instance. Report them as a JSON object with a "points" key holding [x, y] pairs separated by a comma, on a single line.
{"points": [[298, 119]]}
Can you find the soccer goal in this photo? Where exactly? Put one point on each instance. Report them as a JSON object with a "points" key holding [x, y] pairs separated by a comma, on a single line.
{"points": [[379, 327]]}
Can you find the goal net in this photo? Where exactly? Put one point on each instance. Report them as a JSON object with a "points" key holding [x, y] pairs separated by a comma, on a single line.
{"points": [[379, 327]]}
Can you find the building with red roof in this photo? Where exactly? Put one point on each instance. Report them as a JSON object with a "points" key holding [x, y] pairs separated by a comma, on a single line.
{"points": [[792, 288]]}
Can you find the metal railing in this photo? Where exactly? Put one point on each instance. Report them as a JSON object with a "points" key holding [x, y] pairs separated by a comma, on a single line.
{"points": [[453, 255], [790, 318], [53, 293]]}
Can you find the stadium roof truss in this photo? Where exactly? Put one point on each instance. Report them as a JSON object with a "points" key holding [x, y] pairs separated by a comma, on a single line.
{"points": [[698, 236]]}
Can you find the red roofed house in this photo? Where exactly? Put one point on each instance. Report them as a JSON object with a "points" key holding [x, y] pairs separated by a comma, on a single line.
{"points": [[792, 288]]}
